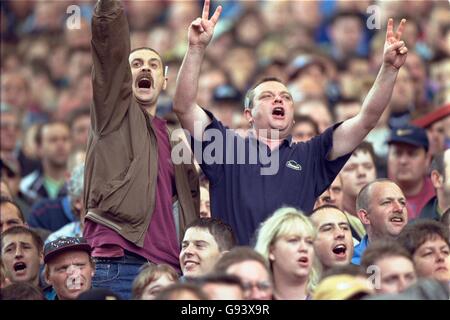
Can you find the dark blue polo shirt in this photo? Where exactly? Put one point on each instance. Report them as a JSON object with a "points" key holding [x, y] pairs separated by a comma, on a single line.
{"points": [[243, 197]]}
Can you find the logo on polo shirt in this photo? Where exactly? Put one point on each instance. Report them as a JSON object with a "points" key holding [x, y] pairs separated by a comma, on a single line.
{"points": [[293, 165]]}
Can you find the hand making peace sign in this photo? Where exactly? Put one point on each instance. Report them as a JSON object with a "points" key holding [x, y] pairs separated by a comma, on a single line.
{"points": [[395, 51], [201, 29]]}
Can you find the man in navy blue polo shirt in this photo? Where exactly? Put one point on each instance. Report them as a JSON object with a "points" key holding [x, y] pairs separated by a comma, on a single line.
{"points": [[251, 177]]}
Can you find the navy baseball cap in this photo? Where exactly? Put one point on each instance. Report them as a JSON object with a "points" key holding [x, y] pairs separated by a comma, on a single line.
{"points": [[410, 135], [64, 244]]}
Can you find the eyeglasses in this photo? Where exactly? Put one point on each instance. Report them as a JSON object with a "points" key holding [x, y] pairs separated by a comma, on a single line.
{"points": [[261, 285]]}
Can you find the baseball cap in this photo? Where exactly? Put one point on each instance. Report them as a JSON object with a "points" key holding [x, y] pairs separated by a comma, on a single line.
{"points": [[410, 135], [64, 244], [341, 287], [432, 117], [99, 294]]}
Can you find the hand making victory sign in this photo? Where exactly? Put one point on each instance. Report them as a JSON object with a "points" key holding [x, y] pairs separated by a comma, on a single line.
{"points": [[395, 51], [201, 29]]}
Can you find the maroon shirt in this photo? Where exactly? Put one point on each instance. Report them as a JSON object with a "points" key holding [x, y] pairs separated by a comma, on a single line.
{"points": [[160, 243]]}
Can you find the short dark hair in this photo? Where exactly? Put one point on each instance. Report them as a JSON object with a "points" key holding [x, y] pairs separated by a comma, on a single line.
{"points": [[173, 291], [76, 114], [437, 164], [418, 232], [381, 249], [326, 206], [238, 255], [219, 278], [23, 230], [6, 200], [366, 147], [149, 49], [222, 232], [40, 129], [445, 218], [21, 291], [250, 95], [307, 119]]}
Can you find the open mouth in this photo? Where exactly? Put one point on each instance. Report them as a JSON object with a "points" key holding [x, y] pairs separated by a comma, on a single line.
{"points": [[397, 219], [19, 266], [144, 81], [303, 260], [340, 250], [278, 112]]}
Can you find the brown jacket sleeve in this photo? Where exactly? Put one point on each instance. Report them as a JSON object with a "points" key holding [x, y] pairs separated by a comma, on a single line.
{"points": [[111, 75]]}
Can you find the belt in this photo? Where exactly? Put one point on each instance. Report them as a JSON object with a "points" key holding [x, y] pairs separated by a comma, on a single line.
{"points": [[128, 258]]}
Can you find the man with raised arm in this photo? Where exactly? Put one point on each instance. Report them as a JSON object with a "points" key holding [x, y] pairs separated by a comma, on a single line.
{"points": [[137, 201], [242, 194]]}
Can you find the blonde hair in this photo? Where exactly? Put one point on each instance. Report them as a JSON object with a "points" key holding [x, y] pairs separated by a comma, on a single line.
{"points": [[149, 273], [285, 222]]}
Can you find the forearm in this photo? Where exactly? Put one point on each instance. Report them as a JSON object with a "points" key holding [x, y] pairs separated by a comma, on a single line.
{"points": [[187, 81], [378, 98], [111, 78], [353, 131]]}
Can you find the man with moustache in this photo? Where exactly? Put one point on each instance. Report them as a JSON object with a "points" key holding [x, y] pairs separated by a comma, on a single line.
{"points": [[137, 201], [381, 207]]}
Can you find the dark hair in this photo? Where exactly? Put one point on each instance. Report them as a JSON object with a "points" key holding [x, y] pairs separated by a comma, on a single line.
{"points": [[219, 278], [381, 249], [445, 218], [173, 291], [238, 255], [149, 49], [23, 230], [307, 119], [420, 231], [5, 200], [222, 232], [40, 129], [326, 206], [366, 147], [250, 95], [437, 164], [78, 113], [21, 291]]}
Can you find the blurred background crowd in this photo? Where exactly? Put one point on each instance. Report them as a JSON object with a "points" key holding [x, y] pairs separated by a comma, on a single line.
{"points": [[324, 50]]}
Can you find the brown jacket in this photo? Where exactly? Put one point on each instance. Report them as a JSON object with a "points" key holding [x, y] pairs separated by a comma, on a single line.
{"points": [[122, 159]]}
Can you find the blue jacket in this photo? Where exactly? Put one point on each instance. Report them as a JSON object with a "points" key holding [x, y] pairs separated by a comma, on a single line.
{"points": [[51, 214], [359, 250]]}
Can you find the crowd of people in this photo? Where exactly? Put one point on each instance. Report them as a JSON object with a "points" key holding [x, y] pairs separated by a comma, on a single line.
{"points": [[261, 150]]}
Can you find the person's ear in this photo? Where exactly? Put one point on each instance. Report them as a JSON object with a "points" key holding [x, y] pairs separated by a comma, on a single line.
{"points": [[271, 255], [166, 79], [41, 258], [436, 179], [363, 215], [248, 116]]}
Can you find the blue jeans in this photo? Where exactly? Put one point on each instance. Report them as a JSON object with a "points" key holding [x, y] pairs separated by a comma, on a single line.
{"points": [[117, 274]]}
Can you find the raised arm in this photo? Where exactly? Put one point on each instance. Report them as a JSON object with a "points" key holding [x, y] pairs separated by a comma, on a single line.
{"points": [[184, 103], [352, 132], [111, 76]]}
